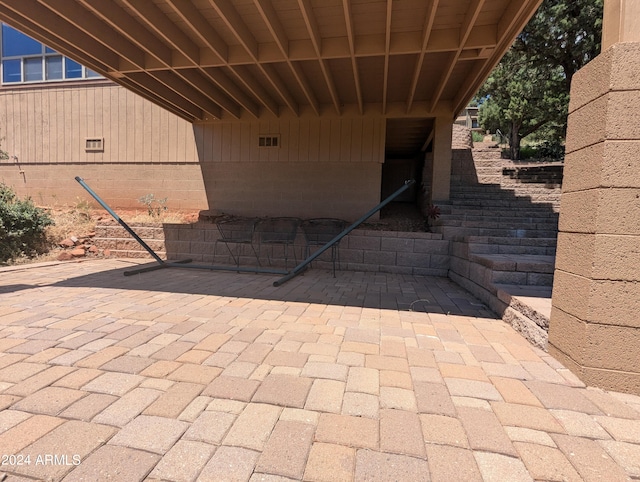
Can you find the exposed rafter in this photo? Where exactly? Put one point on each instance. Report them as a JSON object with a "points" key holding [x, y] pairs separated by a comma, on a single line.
{"points": [[312, 28], [234, 59], [426, 35], [202, 29], [348, 19], [270, 18], [465, 30], [238, 28], [387, 47]]}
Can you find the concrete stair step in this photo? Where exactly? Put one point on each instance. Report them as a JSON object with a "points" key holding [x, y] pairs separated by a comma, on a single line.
{"points": [[529, 310], [488, 203], [477, 248], [530, 220], [460, 232], [537, 211], [524, 263]]}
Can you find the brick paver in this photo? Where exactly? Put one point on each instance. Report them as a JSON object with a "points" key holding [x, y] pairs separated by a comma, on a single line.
{"points": [[287, 449], [448, 463], [329, 463], [184, 461], [378, 466], [154, 434], [111, 462], [186, 375]]}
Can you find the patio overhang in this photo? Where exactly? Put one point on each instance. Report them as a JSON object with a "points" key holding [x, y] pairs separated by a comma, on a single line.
{"points": [[255, 59]]}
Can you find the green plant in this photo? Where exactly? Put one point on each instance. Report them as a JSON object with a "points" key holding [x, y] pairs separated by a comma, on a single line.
{"points": [[22, 226], [155, 206], [477, 136], [433, 213]]}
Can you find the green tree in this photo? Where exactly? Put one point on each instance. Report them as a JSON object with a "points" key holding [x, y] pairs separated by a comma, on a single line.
{"points": [[529, 89]]}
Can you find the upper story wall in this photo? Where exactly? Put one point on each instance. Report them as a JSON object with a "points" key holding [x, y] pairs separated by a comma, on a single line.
{"points": [[49, 124]]}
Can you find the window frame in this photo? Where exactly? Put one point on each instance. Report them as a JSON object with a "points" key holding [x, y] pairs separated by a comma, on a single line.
{"points": [[45, 53]]}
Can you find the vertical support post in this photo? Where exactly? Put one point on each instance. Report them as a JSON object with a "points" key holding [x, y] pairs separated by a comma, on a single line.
{"points": [[441, 179]]}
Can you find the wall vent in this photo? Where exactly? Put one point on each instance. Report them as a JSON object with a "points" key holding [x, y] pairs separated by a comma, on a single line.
{"points": [[269, 141], [94, 144]]}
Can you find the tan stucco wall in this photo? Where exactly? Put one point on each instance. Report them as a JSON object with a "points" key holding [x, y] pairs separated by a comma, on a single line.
{"points": [[322, 167], [146, 149], [595, 320]]}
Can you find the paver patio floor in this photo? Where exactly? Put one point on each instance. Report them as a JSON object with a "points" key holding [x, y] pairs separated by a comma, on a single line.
{"points": [[195, 375]]}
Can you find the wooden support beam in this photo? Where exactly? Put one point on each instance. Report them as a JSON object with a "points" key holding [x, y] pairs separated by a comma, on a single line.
{"points": [[270, 18], [237, 27], [34, 30], [426, 35], [120, 20], [465, 30], [156, 99], [97, 30], [387, 47], [165, 29], [246, 78], [312, 28], [168, 94], [348, 18], [201, 27]]}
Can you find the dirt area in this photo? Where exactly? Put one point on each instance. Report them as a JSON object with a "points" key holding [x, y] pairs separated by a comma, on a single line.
{"points": [[399, 217], [71, 235]]}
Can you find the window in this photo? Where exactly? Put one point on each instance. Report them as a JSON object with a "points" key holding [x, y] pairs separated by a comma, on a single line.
{"points": [[27, 60]]}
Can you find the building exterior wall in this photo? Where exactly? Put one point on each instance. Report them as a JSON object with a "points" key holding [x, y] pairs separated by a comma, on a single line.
{"points": [[146, 149], [329, 167]]}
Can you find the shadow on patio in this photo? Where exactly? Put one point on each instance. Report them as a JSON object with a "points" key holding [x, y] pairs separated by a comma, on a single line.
{"points": [[358, 289]]}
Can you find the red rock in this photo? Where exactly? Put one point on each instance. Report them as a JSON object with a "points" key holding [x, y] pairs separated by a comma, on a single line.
{"points": [[73, 238], [92, 249], [78, 253], [107, 253], [67, 243], [65, 256], [92, 234]]}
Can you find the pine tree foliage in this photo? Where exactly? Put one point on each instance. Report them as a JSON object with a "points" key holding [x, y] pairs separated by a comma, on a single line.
{"points": [[528, 92]]}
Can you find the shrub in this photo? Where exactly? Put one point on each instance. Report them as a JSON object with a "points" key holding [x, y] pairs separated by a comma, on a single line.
{"points": [[22, 226], [477, 136], [155, 206]]}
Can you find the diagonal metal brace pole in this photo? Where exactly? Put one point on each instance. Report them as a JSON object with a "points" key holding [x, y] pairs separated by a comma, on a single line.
{"points": [[302, 266], [122, 223], [167, 264]]}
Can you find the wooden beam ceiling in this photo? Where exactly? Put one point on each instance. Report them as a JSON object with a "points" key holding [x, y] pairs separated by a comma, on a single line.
{"points": [[216, 59]]}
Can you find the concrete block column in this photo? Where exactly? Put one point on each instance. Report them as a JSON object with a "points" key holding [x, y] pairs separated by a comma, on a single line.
{"points": [[441, 178], [595, 318]]}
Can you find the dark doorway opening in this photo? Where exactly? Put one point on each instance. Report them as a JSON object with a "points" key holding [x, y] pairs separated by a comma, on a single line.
{"points": [[405, 145]]}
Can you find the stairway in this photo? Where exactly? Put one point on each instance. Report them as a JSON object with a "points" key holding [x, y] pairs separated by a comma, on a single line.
{"points": [[503, 231]]}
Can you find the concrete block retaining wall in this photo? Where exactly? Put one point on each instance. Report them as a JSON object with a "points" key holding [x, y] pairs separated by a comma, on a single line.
{"points": [[414, 253]]}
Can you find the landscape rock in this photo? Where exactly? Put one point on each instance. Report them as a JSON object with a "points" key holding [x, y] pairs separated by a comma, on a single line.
{"points": [[78, 253], [67, 243], [65, 256]]}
